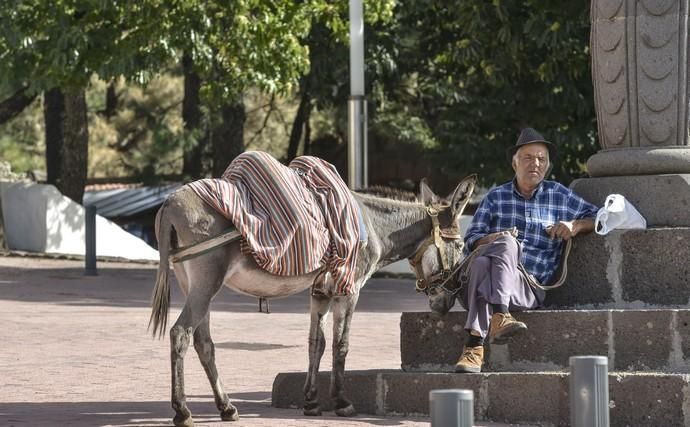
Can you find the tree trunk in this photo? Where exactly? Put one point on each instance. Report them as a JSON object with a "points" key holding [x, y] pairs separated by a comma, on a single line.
{"points": [[307, 133], [300, 125], [227, 137], [15, 104], [191, 114], [110, 101], [67, 141]]}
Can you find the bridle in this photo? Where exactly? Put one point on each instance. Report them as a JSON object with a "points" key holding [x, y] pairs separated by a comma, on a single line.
{"points": [[445, 253]]}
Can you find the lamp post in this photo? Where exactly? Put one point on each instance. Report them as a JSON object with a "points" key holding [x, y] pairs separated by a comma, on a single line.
{"points": [[357, 107]]}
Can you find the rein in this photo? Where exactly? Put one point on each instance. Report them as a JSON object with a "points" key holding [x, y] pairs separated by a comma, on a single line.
{"points": [[464, 276], [564, 271]]}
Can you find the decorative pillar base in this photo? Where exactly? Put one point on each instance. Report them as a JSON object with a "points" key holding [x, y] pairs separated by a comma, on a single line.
{"points": [[664, 200], [640, 161]]}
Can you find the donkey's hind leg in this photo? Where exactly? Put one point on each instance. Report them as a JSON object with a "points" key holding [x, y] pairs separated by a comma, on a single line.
{"points": [[343, 308], [207, 355], [320, 305], [194, 311], [179, 343]]}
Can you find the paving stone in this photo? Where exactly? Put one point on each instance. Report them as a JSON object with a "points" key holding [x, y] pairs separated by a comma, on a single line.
{"points": [[76, 351]]}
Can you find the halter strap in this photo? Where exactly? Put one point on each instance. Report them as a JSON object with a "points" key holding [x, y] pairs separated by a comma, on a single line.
{"points": [[436, 239]]}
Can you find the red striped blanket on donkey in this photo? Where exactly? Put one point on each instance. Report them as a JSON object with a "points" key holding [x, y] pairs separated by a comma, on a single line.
{"points": [[294, 218]]}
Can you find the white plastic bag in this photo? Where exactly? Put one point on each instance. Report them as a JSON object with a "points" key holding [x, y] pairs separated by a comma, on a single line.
{"points": [[618, 213]]}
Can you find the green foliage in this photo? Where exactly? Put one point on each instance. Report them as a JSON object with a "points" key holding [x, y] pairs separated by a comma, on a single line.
{"points": [[456, 79], [61, 43], [146, 136], [393, 126], [478, 71], [235, 45], [22, 140]]}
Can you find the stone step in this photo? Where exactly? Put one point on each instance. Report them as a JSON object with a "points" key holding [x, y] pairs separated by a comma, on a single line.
{"points": [[636, 399], [627, 269], [633, 340]]}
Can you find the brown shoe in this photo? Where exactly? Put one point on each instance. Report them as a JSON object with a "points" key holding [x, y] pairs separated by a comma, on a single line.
{"points": [[471, 360], [503, 326]]}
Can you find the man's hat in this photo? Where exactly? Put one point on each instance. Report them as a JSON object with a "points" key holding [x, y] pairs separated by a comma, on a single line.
{"points": [[530, 136]]}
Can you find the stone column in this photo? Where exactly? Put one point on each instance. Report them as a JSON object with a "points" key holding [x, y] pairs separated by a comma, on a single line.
{"points": [[640, 74]]}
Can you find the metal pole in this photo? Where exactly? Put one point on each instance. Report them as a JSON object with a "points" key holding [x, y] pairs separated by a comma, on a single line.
{"points": [[451, 407], [357, 108], [358, 176], [589, 391], [90, 240]]}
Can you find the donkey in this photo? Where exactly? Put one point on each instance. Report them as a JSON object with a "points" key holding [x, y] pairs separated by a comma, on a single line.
{"points": [[420, 232]]}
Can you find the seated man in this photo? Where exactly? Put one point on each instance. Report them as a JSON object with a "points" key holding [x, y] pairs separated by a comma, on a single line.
{"points": [[518, 229]]}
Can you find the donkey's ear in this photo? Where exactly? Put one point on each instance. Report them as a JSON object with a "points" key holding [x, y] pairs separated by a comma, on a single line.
{"points": [[461, 195], [425, 194]]}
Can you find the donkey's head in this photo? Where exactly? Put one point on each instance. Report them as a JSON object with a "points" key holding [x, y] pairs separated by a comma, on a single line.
{"points": [[435, 258]]}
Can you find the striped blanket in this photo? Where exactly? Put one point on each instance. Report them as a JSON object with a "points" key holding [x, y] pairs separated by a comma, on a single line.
{"points": [[294, 219]]}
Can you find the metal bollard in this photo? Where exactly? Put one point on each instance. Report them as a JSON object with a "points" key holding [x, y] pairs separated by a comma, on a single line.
{"points": [[589, 391], [451, 407], [90, 240]]}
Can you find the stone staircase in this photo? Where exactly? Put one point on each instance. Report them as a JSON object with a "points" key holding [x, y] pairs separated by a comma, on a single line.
{"points": [[626, 298]]}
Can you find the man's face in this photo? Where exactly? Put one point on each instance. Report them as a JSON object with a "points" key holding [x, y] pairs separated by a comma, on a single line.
{"points": [[530, 164]]}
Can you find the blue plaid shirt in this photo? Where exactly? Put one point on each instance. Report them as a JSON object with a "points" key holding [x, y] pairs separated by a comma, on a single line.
{"points": [[504, 208]]}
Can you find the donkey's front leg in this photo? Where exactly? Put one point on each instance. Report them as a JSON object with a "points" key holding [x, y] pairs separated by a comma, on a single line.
{"points": [[207, 355], [343, 308], [317, 344]]}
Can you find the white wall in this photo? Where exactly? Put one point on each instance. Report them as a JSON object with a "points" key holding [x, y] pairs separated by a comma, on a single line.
{"points": [[38, 218]]}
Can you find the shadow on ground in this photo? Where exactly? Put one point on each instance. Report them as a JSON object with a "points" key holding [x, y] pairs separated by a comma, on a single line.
{"points": [[252, 406], [132, 287]]}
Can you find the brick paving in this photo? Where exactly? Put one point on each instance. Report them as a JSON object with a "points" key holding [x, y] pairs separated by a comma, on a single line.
{"points": [[75, 350]]}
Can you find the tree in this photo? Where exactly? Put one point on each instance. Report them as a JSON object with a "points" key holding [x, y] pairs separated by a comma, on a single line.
{"points": [[14, 104], [326, 85], [482, 70], [55, 47], [67, 141], [261, 44], [192, 117]]}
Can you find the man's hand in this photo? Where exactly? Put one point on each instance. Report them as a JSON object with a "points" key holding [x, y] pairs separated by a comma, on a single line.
{"points": [[493, 236], [566, 230], [562, 230]]}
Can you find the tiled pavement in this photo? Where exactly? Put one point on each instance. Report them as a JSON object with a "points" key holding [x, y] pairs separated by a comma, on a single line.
{"points": [[74, 349]]}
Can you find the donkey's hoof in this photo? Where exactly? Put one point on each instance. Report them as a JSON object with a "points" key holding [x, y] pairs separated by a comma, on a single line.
{"points": [[230, 414], [312, 409], [179, 421], [347, 411]]}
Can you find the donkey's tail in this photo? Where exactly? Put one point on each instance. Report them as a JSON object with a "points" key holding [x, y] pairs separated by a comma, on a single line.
{"points": [[160, 299]]}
